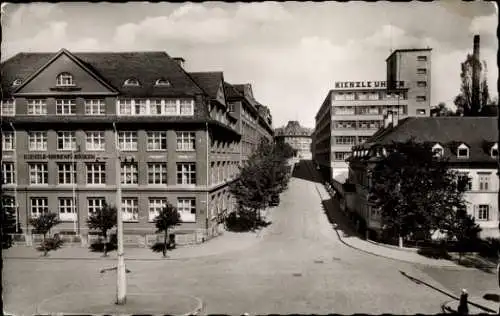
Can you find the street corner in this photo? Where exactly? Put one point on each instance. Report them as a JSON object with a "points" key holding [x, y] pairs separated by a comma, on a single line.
{"points": [[153, 303]]}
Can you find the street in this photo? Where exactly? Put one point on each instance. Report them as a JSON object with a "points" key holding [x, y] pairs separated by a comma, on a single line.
{"points": [[300, 266]]}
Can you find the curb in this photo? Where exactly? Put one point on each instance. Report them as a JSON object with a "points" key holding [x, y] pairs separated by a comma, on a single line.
{"points": [[341, 239], [445, 308]]}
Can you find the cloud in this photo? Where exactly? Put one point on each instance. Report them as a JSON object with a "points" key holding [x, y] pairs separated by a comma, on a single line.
{"points": [[484, 25]]}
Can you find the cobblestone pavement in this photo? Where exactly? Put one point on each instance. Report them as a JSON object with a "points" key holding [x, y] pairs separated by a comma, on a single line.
{"points": [[299, 266]]}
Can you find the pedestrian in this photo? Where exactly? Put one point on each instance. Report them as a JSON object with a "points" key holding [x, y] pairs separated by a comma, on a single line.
{"points": [[463, 309]]}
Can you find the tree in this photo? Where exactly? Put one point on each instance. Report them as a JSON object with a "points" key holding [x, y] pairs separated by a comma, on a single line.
{"points": [[8, 222], [414, 190], [167, 218], [103, 220], [442, 110], [462, 228], [42, 225], [463, 101]]}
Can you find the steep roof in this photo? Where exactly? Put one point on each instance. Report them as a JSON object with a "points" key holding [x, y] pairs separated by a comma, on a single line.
{"points": [[114, 68], [293, 128], [208, 81], [231, 91], [478, 133]]}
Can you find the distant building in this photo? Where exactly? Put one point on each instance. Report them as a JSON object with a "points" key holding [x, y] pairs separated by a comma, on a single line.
{"points": [[470, 144], [353, 110], [297, 137]]}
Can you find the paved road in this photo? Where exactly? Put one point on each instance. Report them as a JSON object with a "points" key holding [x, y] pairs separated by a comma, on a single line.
{"points": [[300, 266]]}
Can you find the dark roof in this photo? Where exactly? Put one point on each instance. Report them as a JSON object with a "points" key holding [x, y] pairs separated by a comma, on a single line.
{"points": [[408, 50], [208, 81], [478, 133], [231, 91], [293, 128], [114, 68]]}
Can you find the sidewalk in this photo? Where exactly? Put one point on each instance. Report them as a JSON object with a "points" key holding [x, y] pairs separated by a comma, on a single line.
{"points": [[488, 307], [352, 239], [227, 242]]}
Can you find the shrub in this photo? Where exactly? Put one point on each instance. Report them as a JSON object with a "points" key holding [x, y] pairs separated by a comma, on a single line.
{"points": [[49, 244], [98, 246]]}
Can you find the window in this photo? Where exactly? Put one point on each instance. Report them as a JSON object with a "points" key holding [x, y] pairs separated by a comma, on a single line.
{"points": [[94, 204], [162, 82], [187, 209], [156, 107], [187, 107], [66, 141], [66, 173], [363, 96], [38, 173], [130, 210], [170, 107], [421, 83], [127, 140], [420, 111], [37, 107], [17, 82], [157, 173], [95, 107], [344, 110], [421, 71], [362, 139], [8, 173], [9, 202], [341, 156], [230, 107], [37, 141], [39, 206], [186, 173], [65, 106], [67, 210], [339, 96], [469, 180], [128, 173], [463, 151], [421, 98], [157, 141], [125, 107], [8, 108], [64, 80], [94, 140], [155, 207], [186, 141], [494, 151], [131, 82], [437, 150], [422, 58], [483, 213], [8, 141], [373, 96], [140, 107], [345, 140], [96, 173], [349, 96], [484, 181], [345, 124]]}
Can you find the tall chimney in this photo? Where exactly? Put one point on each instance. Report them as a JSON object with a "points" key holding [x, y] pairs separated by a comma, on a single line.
{"points": [[476, 72]]}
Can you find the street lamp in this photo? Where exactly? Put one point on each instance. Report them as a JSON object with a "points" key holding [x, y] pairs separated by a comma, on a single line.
{"points": [[121, 282]]}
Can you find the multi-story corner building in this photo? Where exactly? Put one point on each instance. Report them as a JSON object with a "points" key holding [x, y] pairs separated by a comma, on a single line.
{"points": [[353, 111], [469, 143], [298, 137], [74, 124], [413, 67], [251, 125]]}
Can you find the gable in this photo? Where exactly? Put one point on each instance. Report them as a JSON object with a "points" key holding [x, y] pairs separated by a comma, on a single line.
{"points": [[44, 82], [220, 94]]}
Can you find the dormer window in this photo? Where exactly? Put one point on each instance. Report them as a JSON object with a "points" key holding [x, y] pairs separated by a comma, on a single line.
{"points": [[494, 151], [162, 82], [437, 150], [463, 151], [131, 82], [65, 80], [17, 82]]}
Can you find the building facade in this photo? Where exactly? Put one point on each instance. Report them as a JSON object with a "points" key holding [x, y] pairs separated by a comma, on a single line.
{"points": [[298, 137], [353, 111], [74, 124], [469, 143]]}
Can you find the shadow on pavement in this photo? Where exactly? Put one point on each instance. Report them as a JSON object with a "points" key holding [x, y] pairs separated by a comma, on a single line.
{"points": [[492, 297], [420, 282], [301, 171], [331, 207]]}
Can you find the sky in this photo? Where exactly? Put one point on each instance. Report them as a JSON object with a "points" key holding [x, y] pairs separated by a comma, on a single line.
{"points": [[291, 52]]}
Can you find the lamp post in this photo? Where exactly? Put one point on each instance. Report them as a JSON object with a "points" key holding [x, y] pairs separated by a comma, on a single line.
{"points": [[121, 282]]}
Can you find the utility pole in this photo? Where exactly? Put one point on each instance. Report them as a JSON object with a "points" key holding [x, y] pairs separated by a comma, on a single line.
{"points": [[121, 282]]}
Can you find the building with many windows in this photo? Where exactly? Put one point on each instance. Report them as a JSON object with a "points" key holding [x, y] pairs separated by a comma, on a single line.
{"points": [[353, 110], [469, 143], [298, 137], [74, 124]]}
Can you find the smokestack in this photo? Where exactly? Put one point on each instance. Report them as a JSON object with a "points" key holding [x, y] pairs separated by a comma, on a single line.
{"points": [[476, 71]]}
